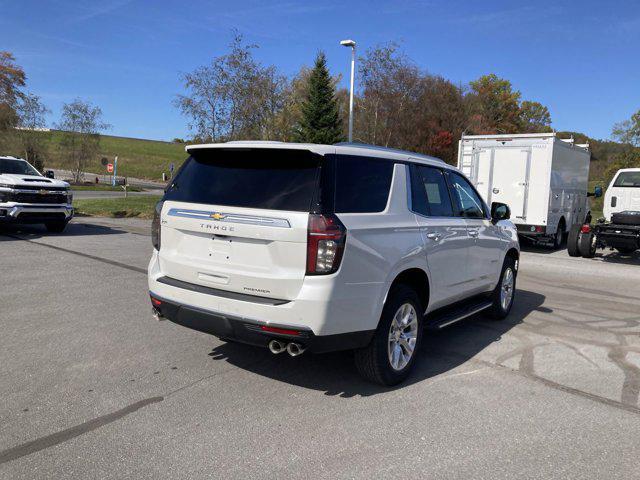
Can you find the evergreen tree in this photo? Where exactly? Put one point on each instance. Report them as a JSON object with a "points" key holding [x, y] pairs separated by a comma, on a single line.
{"points": [[320, 121]]}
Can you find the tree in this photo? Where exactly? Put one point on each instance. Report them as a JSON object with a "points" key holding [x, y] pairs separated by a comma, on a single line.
{"points": [[232, 98], [497, 104], [320, 121], [12, 79], [390, 88], [81, 123], [31, 117], [534, 117], [628, 131]]}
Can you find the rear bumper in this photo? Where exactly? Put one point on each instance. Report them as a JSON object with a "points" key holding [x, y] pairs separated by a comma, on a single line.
{"points": [[23, 213], [249, 331]]}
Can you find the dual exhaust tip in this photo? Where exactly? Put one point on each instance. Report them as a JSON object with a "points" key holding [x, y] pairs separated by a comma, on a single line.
{"points": [[292, 348]]}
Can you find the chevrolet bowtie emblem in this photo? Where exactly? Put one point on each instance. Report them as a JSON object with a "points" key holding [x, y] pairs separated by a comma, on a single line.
{"points": [[217, 216], [42, 192]]}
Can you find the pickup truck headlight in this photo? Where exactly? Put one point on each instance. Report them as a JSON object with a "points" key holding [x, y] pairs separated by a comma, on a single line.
{"points": [[69, 196]]}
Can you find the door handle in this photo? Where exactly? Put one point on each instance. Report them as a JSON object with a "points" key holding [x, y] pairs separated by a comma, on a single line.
{"points": [[473, 233], [433, 236]]}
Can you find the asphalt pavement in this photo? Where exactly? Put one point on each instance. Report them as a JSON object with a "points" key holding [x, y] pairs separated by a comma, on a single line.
{"points": [[93, 387]]}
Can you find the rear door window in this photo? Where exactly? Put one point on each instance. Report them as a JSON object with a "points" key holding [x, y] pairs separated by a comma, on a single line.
{"points": [[269, 179], [362, 184], [429, 192]]}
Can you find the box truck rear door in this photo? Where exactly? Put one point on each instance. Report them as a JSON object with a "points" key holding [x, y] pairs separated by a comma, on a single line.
{"points": [[510, 179]]}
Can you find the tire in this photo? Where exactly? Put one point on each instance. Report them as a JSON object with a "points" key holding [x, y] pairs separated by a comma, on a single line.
{"points": [[587, 245], [501, 305], [559, 237], [626, 250], [374, 362], [572, 241], [56, 227]]}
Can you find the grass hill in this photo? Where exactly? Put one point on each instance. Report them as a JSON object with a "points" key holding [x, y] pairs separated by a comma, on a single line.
{"points": [[136, 157]]}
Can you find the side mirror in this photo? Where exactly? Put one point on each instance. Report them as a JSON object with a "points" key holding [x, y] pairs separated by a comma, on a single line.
{"points": [[49, 174], [597, 192], [500, 211]]}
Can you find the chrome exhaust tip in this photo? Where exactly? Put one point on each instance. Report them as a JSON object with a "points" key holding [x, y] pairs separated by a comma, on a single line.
{"points": [[295, 349], [276, 346]]}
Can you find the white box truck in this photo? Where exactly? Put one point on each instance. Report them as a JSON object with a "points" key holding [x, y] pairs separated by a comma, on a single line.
{"points": [[543, 179]]}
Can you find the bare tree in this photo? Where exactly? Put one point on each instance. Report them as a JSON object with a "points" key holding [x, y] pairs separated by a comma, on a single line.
{"points": [[234, 97], [81, 123], [31, 117]]}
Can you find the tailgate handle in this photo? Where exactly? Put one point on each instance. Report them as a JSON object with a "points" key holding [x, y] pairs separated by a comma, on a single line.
{"points": [[213, 278]]}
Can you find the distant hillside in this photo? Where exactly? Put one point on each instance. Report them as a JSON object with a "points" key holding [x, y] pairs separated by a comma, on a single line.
{"points": [[149, 158], [602, 152], [136, 157]]}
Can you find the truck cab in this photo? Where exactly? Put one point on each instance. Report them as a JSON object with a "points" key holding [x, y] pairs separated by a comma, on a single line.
{"points": [[28, 197], [623, 193]]}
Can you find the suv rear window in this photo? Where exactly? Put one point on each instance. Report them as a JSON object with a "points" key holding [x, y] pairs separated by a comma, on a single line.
{"points": [[628, 179], [253, 178], [362, 184]]}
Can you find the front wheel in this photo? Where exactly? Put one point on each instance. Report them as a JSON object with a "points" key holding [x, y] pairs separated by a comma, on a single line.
{"points": [[390, 356], [56, 227], [504, 293]]}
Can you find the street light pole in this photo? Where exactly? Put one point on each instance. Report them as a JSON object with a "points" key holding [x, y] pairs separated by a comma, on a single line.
{"points": [[352, 44]]}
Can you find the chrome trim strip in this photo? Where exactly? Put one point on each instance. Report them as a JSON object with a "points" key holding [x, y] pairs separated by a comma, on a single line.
{"points": [[230, 217]]}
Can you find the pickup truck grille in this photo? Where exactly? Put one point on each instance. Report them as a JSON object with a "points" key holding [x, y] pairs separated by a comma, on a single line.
{"points": [[47, 198]]}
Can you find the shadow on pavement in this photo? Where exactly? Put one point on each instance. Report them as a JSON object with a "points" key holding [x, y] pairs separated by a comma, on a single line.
{"points": [[30, 232], [336, 375]]}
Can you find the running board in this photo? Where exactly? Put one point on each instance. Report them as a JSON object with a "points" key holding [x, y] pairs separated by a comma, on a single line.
{"points": [[440, 319]]}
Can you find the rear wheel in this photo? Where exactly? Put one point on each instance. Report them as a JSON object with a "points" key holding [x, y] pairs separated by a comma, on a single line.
{"points": [[572, 241], [390, 356], [588, 245], [504, 293], [56, 227], [559, 237]]}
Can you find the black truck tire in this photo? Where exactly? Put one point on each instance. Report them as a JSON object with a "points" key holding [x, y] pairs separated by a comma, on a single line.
{"points": [[587, 245], [572, 240]]}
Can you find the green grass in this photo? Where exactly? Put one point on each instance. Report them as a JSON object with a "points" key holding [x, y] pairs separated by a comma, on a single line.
{"points": [[136, 157], [107, 188], [139, 206]]}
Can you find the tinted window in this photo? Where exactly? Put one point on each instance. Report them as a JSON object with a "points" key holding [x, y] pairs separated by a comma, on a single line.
{"points": [[469, 203], [254, 178], [362, 184], [17, 167], [429, 192], [628, 179]]}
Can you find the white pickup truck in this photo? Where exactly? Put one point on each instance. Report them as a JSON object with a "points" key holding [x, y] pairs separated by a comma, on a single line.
{"points": [[620, 229], [26, 196]]}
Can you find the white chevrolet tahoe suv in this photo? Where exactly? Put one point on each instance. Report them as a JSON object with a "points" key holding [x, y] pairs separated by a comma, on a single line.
{"points": [[319, 247], [26, 196]]}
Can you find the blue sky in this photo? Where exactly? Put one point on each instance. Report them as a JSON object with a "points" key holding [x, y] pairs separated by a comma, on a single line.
{"points": [[580, 58]]}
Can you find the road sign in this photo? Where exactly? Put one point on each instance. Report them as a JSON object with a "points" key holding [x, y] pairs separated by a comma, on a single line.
{"points": [[104, 161], [110, 167]]}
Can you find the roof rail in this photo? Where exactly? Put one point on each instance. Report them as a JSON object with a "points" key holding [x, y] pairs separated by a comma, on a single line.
{"points": [[386, 149]]}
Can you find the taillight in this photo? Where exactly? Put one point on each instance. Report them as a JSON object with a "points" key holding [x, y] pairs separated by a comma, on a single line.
{"points": [[155, 226], [326, 237]]}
